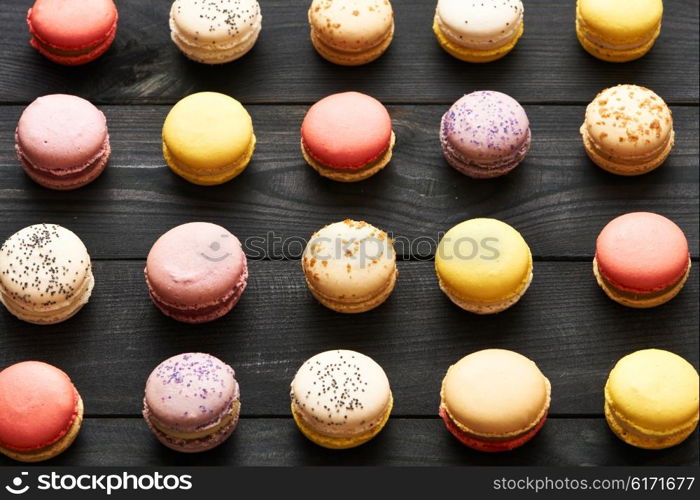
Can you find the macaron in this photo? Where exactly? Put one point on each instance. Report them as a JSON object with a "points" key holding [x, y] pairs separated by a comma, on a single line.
{"points": [[641, 259], [62, 141], [196, 272], [192, 402], [40, 411], [208, 138], [45, 274], [351, 32], [215, 32], [477, 31], [483, 265], [340, 399], [494, 400], [347, 137], [628, 130], [651, 399], [485, 134], [350, 266], [618, 30], [72, 32]]}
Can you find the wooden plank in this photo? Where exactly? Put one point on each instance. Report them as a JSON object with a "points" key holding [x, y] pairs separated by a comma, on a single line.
{"points": [[564, 322], [557, 198], [548, 64], [407, 442]]}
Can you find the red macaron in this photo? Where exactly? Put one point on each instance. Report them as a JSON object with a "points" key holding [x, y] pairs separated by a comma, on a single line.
{"points": [[72, 32], [347, 137], [40, 411]]}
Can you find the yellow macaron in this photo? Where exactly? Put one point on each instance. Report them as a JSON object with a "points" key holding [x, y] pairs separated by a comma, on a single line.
{"points": [[483, 265], [208, 138], [651, 399], [618, 30]]}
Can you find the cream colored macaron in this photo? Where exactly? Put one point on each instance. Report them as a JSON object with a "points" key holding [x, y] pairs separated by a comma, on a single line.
{"points": [[351, 32], [628, 130], [340, 399], [350, 266], [215, 32], [45, 274]]}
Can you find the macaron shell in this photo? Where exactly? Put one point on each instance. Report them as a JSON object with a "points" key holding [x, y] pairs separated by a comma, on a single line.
{"points": [[495, 393], [351, 25], [642, 252], [208, 131], [68, 24], [191, 391], [621, 20], [61, 133], [477, 25], [349, 260], [38, 404], [655, 390], [486, 125], [196, 264], [341, 394], [483, 261], [347, 130]]}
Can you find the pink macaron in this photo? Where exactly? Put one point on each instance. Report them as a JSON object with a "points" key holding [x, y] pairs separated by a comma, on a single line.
{"points": [[196, 272], [72, 32], [641, 259], [192, 402], [62, 141], [485, 134], [347, 137]]}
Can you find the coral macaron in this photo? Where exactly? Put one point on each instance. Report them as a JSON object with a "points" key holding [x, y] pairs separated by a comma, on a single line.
{"points": [[196, 272], [192, 402], [208, 138], [341, 399], [485, 134], [347, 137], [40, 411], [651, 399], [641, 259], [628, 130], [494, 400], [62, 141], [72, 32]]}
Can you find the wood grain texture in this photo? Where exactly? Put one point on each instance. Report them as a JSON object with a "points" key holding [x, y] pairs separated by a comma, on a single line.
{"points": [[564, 322], [548, 65], [557, 198], [407, 442]]}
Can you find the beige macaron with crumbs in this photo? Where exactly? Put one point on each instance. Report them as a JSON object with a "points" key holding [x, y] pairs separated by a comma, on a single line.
{"points": [[628, 130], [350, 266], [351, 32]]}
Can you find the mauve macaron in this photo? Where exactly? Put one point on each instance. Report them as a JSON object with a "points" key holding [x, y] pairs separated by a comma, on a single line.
{"points": [[196, 272], [485, 134], [641, 259], [192, 402], [62, 141], [347, 137]]}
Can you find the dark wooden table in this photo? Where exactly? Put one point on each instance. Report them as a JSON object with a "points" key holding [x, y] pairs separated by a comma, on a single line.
{"points": [[557, 199]]}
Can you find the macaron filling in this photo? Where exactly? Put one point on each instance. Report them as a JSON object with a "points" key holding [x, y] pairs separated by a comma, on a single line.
{"points": [[220, 424], [629, 291]]}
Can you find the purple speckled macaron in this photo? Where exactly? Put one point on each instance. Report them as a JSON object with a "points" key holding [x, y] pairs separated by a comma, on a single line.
{"points": [[485, 134], [192, 402]]}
